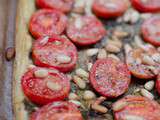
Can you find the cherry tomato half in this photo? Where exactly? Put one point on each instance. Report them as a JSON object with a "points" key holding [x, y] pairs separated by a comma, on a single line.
{"points": [[109, 77], [47, 22], [57, 52], [42, 86], [109, 8], [60, 5], [136, 108], [85, 30], [57, 111], [151, 30], [146, 5]]}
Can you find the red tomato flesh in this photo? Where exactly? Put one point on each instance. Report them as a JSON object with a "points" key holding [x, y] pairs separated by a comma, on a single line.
{"points": [[109, 8], [36, 89], [57, 111], [85, 30], [47, 50], [151, 30], [60, 5], [47, 22], [146, 5], [138, 68], [137, 108], [110, 77]]}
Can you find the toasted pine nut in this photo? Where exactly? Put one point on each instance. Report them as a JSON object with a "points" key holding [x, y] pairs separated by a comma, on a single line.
{"points": [[119, 105], [89, 66], [112, 48], [99, 108], [73, 96], [99, 100], [147, 60], [77, 103], [53, 86], [102, 54], [149, 85], [133, 117], [41, 73], [117, 43], [61, 58], [91, 52], [153, 70], [82, 73], [114, 57], [31, 66], [88, 95], [147, 94], [120, 34], [127, 48], [81, 83], [79, 6]]}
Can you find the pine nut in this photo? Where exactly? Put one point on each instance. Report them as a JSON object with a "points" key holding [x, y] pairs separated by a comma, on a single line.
{"points": [[120, 34], [153, 70], [89, 66], [81, 83], [147, 94], [79, 6], [112, 48], [133, 117], [102, 54], [88, 95], [147, 60], [61, 58], [114, 57], [116, 43], [156, 57], [92, 52], [31, 66], [41, 73], [53, 86], [127, 48], [149, 85], [10, 53], [82, 73], [99, 108], [73, 96], [134, 17], [77, 103], [119, 105]]}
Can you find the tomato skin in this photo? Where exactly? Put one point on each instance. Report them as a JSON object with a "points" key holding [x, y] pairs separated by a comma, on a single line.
{"points": [[91, 32], [66, 47], [145, 8], [65, 7], [104, 12], [60, 110], [111, 73], [146, 32], [44, 96], [47, 22], [137, 106]]}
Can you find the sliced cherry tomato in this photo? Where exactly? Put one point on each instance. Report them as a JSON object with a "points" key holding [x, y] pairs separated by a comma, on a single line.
{"points": [[151, 30], [109, 8], [146, 5], [57, 111], [158, 84], [60, 5], [85, 30], [42, 88], [57, 52], [136, 108], [110, 77], [47, 22], [137, 62]]}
